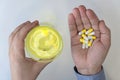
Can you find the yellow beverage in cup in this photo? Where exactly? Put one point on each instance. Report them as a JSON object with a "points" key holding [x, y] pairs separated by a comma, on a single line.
{"points": [[43, 43]]}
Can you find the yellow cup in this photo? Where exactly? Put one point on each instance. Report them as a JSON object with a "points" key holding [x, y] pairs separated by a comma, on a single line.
{"points": [[43, 43]]}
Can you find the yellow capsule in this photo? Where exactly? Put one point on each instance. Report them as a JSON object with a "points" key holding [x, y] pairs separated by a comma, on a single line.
{"points": [[83, 45], [90, 34], [92, 37], [86, 44], [89, 31], [82, 32], [82, 40], [90, 43], [85, 37]]}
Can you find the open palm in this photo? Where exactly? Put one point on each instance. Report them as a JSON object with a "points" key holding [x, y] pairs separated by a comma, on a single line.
{"points": [[88, 61]]}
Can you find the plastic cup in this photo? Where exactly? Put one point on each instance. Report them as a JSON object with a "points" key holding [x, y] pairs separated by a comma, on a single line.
{"points": [[43, 43]]}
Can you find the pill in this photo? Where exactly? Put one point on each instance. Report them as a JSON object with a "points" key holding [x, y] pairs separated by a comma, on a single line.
{"points": [[92, 37], [86, 41], [89, 31], [81, 40], [86, 44], [84, 36], [83, 46], [87, 37], [90, 42], [82, 32], [92, 33]]}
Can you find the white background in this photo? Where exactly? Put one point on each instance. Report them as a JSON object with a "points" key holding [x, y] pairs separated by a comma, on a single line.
{"points": [[15, 12]]}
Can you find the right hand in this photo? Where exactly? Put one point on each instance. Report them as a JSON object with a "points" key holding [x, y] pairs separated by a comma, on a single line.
{"points": [[88, 61]]}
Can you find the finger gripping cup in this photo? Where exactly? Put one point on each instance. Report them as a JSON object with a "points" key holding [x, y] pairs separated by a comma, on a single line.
{"points": [[43, 43]]}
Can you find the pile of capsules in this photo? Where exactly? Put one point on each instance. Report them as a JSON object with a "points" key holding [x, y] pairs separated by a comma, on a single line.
{"points": [[87, 37]]}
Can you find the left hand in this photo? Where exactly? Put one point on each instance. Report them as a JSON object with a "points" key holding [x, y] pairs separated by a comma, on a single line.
{"points": [[22, 68]]}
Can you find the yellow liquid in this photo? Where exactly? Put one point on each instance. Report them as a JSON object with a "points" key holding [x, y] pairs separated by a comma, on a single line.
{"points": [[43, 43]]}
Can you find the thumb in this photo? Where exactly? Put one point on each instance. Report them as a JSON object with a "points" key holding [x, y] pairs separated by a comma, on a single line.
{"points": [[105, 37]]}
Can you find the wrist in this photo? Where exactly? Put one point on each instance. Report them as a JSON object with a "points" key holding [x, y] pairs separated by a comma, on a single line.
{"points": [[89, 71]]}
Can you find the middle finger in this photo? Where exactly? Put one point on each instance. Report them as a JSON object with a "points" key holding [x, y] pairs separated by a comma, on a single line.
{"points": [[84, 17]]}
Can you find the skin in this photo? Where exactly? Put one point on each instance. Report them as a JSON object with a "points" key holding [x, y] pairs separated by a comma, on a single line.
{"points": [[88, 61], [22, 68]]}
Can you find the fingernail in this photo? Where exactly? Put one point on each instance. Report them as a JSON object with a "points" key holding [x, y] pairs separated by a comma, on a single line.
{"points": [[36, 22], [27, 21], [82, 6]]}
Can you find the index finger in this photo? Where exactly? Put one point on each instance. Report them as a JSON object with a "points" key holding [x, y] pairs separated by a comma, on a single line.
{"points": [[72, 25], [12, 35], [20, 36], [25, 29]]}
